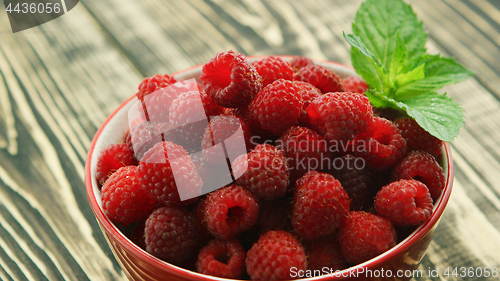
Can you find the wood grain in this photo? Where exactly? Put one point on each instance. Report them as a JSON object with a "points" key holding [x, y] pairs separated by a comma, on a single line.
{"points": [[59, 81]]}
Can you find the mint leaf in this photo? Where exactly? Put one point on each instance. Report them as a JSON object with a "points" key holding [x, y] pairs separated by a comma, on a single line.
{"points": [[377, 22], [405, 78], [438, 72], [356, 42], [437, 113], [366, 68], [399, 58]]}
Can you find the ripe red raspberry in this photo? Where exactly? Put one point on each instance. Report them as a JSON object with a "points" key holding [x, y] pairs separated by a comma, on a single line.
{"points": [[381, 145], [418, 138], [112, 158], [304, 149], [273, 68], [232, 132], [363, 236], [277, 106], [230, 80], [320, 203], [170, 234], [230, 211], [274, 255], [354, 84], [404, 202], [123, 198], [145, 135], [152, 84], [354, 178], [298, 62], [320, 77], [323, 253], [189, 114], [167, 173], [338, 117], [422, 166], [222, 258], [263, 171], [308, 93]]}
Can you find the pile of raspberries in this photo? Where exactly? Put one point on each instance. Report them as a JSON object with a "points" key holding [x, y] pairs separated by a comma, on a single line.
{"points": [[326, 180]]}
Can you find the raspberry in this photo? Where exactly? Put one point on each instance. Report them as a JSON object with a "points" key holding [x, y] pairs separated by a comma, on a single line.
{"points": [[112, 158], [363, 236], [188, 114], [323, 253], [230, 211], [354, 178], [404, 202], [418, 138], [152, 84], [230, 131], [170, 234], [340, 116], [165, 170], [222, 258], [145, 135], [263, 171], [320, 77], [273, 256], [230, 80], [354, 84], [308, 93], [277, 106], [319, 205], [422, 166], [304, 150], [381, 145], [123, 198], [298, 62], [273, 68]]}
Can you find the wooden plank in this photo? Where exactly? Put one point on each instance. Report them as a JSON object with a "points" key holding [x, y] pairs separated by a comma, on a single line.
{"points": [[59, 82]]}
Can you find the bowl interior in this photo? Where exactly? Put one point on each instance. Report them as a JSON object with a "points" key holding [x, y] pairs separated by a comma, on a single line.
{"points": [[116, 126]]}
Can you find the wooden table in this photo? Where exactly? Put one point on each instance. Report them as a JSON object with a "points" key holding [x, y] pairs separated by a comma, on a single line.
{"points": [[59, 81]]}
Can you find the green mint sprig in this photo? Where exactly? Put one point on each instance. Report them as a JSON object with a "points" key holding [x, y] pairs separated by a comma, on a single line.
{"points": [[388, 51]]}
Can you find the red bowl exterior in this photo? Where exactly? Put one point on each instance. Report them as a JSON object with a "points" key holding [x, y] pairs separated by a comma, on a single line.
{"points": [[404, 258]]}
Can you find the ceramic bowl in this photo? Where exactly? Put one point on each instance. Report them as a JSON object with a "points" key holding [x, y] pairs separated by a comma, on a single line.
{"points": [[398, 263]]}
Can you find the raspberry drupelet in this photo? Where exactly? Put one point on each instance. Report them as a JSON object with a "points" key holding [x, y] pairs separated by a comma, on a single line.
{"points": [[339, 117], [308, 93], [320, 77], [263, 171], [154, 83], [277, 106], [166, 167], [417, 138], [404, 202], [381, 145], [421, 166], [124, 200], [170, 234], [229, 211], [273, 68], [304, 150], [230, 80], [363, 236], [354, 84], [222, 258], [320, 204], [112, 158], [273, 256]]}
